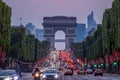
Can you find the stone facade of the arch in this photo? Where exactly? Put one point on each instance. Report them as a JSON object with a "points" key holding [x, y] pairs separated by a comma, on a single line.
{"points": [[66, 24]]}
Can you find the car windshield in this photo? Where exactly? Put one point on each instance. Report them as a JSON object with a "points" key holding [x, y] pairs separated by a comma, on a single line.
{"points": [[7, 72], [50, 71], [98, 69], [89, 69], [69, 70], [81, 69]]}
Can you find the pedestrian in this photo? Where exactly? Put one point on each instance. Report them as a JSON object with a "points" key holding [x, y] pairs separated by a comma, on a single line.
{"points": [[17, 68]]}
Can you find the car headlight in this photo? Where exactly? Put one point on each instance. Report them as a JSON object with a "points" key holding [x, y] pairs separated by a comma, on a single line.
{"points": [[15, 77], [56, 76], [41, 74], [8, 78], [44, 76], [36, 75]]}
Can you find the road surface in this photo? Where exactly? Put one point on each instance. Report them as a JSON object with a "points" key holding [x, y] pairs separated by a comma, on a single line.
{"points": [[28, 76]]}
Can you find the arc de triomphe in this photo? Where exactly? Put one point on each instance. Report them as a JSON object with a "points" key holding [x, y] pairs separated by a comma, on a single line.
{"points": [[66, 24]]}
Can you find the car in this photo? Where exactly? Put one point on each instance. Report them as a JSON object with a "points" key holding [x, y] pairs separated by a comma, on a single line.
{"points": [[81, 71], [51, 74], [8, 75], [89, 71], [42, 70], [98, 72], [68, 71]]}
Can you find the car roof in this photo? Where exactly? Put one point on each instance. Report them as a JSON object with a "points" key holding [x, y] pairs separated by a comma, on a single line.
{"points": [[98, 69], [8, 70], [89, 69]]}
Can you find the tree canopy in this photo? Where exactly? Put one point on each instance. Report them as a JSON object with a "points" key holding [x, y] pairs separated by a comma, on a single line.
{"points": [[106, 38]]}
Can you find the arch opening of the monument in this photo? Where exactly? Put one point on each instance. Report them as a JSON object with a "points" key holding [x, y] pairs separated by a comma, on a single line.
{"points": [[60, 40]]}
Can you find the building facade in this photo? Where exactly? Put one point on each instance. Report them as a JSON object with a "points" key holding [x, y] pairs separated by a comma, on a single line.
{"points": [[39, 33], [91, 23], [80, 29], [66, 24], [30, 28]]}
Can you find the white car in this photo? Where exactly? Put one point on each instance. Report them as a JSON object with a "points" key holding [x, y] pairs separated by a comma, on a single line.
{"points": [[89, 71], [50, 74], [8, 75]]}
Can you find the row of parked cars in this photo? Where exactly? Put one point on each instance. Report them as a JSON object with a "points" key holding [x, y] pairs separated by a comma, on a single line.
{"points": [[95, 72], [70, 71]]}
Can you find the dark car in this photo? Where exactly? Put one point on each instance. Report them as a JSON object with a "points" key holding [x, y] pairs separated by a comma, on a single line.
{"points": [[68, 71], [98, 72], [81, 71]]}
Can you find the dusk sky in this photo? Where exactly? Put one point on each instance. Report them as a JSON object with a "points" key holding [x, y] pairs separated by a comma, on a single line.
{"points": [[34, 10]]}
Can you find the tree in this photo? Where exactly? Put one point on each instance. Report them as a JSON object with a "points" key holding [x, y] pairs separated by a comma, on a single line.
{"points": [[30, 47], [17, 44], [115, 24], [26, 45], [78, 49], [106, 37], [5, 25]]}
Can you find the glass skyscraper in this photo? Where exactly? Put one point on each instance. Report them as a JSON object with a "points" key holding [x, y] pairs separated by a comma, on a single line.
{"points": [[39, 34], [30, 28], [91, 23], [80, 32]]}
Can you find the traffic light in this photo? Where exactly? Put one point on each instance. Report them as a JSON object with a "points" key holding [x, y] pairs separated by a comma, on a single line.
{"points": [[95, 65], [114, 63], [101, 64], [85, 64]]}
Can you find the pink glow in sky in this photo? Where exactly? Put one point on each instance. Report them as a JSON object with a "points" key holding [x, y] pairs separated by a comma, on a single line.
{"points": [[34, 10]]}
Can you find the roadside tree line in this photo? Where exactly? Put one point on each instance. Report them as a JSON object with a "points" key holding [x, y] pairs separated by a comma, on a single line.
{"points": [[105, 39], [15, 42], [5, 25], [25, 46]]}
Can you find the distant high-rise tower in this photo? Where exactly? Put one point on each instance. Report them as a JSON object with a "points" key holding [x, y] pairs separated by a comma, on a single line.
{"points": [[80, 32], [91, 23], [30, 28], [39, 34]]}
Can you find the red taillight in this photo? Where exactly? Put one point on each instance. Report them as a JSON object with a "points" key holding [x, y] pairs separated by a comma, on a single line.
{"points": [[95, 71]]}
